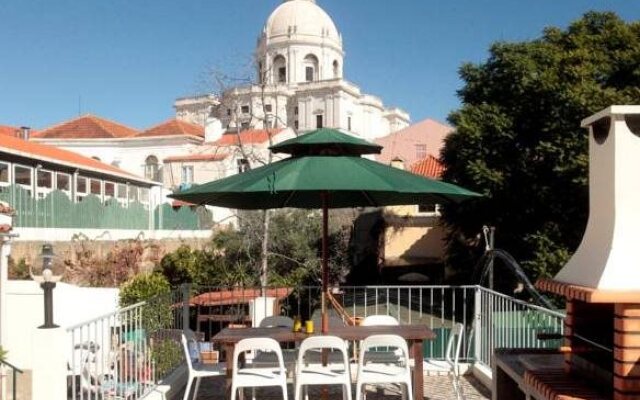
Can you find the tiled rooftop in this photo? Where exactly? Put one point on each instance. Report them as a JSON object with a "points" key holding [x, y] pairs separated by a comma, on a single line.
{"points": [[173, 127], [86, 127]]}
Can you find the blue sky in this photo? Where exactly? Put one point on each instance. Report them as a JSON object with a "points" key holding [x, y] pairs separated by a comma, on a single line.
{"points": [[127, 60]]}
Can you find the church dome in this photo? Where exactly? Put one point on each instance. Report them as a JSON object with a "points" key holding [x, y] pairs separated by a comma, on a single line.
{"points": [[302, 19]]}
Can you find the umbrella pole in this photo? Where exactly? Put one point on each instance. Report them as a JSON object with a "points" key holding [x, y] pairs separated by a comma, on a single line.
{"points": [[325, 256]]}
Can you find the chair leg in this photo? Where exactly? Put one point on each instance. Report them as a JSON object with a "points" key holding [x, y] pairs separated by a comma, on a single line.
{"points": [[409, 390], [195, 391], [187, 389], [358, 390], [347, 390], [234, 393], [285, 395], [253, 393]]}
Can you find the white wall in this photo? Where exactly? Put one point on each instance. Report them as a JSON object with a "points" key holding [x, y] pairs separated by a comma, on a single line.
{"points": [[71, 305]]}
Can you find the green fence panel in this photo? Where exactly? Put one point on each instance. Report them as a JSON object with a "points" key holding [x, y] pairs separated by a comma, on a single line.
{"points": [[57, 210], [182, 219]]}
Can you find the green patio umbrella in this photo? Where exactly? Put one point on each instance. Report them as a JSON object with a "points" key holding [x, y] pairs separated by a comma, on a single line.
{"points": [[325, 171]]}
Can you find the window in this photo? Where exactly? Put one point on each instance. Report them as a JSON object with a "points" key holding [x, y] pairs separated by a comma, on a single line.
{"points": [[45, 179], [81, 188], [296, 124], [349, 124], [245, 109], [228, 111], [318, 121], [144, 195], [44, 183], [121, 192], [280, 67], [4, 173], [268, 108], [244, 125], [96, 187], [336, 69], [133, 194], [63, 182], [187, 174], [243, 165], [433, 209], [22, 175], [421, 151], [311, 69], [109, 189], [295, 111], [152, 169]]}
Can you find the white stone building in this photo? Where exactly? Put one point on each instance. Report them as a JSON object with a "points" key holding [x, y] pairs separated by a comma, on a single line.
{"points": [[300, 83]]}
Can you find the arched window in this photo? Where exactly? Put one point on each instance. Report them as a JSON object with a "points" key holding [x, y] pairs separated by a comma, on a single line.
{"points": [[280, 69], [310, 68], [336, 69], [152, 169]]}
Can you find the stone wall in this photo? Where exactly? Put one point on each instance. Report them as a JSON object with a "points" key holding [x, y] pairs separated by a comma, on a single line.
{"points": [[86, 260]]}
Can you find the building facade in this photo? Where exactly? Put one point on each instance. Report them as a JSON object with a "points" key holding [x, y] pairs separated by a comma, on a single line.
{"points": [[300, 83]]}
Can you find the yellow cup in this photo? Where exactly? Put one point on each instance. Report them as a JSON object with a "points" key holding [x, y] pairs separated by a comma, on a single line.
{"points": [[297, 325], [308, 326]]}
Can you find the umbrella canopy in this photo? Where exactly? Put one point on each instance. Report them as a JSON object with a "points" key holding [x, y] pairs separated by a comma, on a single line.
{"points": [[325, 171]]}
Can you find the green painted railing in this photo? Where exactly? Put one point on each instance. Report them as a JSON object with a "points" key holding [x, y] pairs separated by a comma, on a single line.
{"points": [[57, 210]]}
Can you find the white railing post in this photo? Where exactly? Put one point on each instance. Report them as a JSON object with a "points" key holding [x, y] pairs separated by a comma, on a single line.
{"points": [[477, 320]]}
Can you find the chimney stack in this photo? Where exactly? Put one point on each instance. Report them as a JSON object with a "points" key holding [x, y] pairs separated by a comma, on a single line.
{"points": [[25, 132], [608, 256]]}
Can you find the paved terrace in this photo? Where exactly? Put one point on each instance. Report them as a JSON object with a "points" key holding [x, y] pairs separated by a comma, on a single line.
{"points": [[436, 387]]}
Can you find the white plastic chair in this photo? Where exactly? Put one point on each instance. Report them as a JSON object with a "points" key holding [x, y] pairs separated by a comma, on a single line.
{"points": [[269, 359], [197, 371], [379, 320], [450, 365], [314, 373], [381, 355], [276, 321], [258, 377], [372, 372]]}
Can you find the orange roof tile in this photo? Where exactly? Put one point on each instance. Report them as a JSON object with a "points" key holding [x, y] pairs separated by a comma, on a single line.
{"points": [[14, 131], [54, 154], [429, 167], [196, 157], [173, 127], [250, 136], [86, 127]]}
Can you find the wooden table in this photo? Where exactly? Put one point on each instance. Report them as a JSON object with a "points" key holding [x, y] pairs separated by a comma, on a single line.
{"points": [[414, 334]]}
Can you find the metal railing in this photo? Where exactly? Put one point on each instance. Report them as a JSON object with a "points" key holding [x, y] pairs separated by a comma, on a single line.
{"points": [[14, 378], [492, 320], [125, 354]]}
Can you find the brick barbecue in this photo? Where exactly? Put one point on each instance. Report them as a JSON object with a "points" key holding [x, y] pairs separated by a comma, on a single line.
{"points": [[601, 282]]}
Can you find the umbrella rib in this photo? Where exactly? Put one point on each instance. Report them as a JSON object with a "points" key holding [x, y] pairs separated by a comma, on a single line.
{"points": [[369, 199], [293, 192]]}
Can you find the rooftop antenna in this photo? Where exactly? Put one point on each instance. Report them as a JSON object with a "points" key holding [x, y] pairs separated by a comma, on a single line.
{"points": [[79, 105]]}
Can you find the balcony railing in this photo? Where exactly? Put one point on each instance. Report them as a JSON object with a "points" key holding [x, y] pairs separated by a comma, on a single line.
{"points": [[130, 351], [125, 354]]}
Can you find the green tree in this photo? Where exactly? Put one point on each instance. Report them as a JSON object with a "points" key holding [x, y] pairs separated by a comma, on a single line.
{"points": [[518, 139], [144, 287]]}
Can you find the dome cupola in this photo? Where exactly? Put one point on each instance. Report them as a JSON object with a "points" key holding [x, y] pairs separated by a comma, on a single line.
{"points": [[298, 37]]}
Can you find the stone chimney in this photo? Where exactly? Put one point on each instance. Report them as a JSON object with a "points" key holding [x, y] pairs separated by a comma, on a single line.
{"points": [[607, 257]]}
